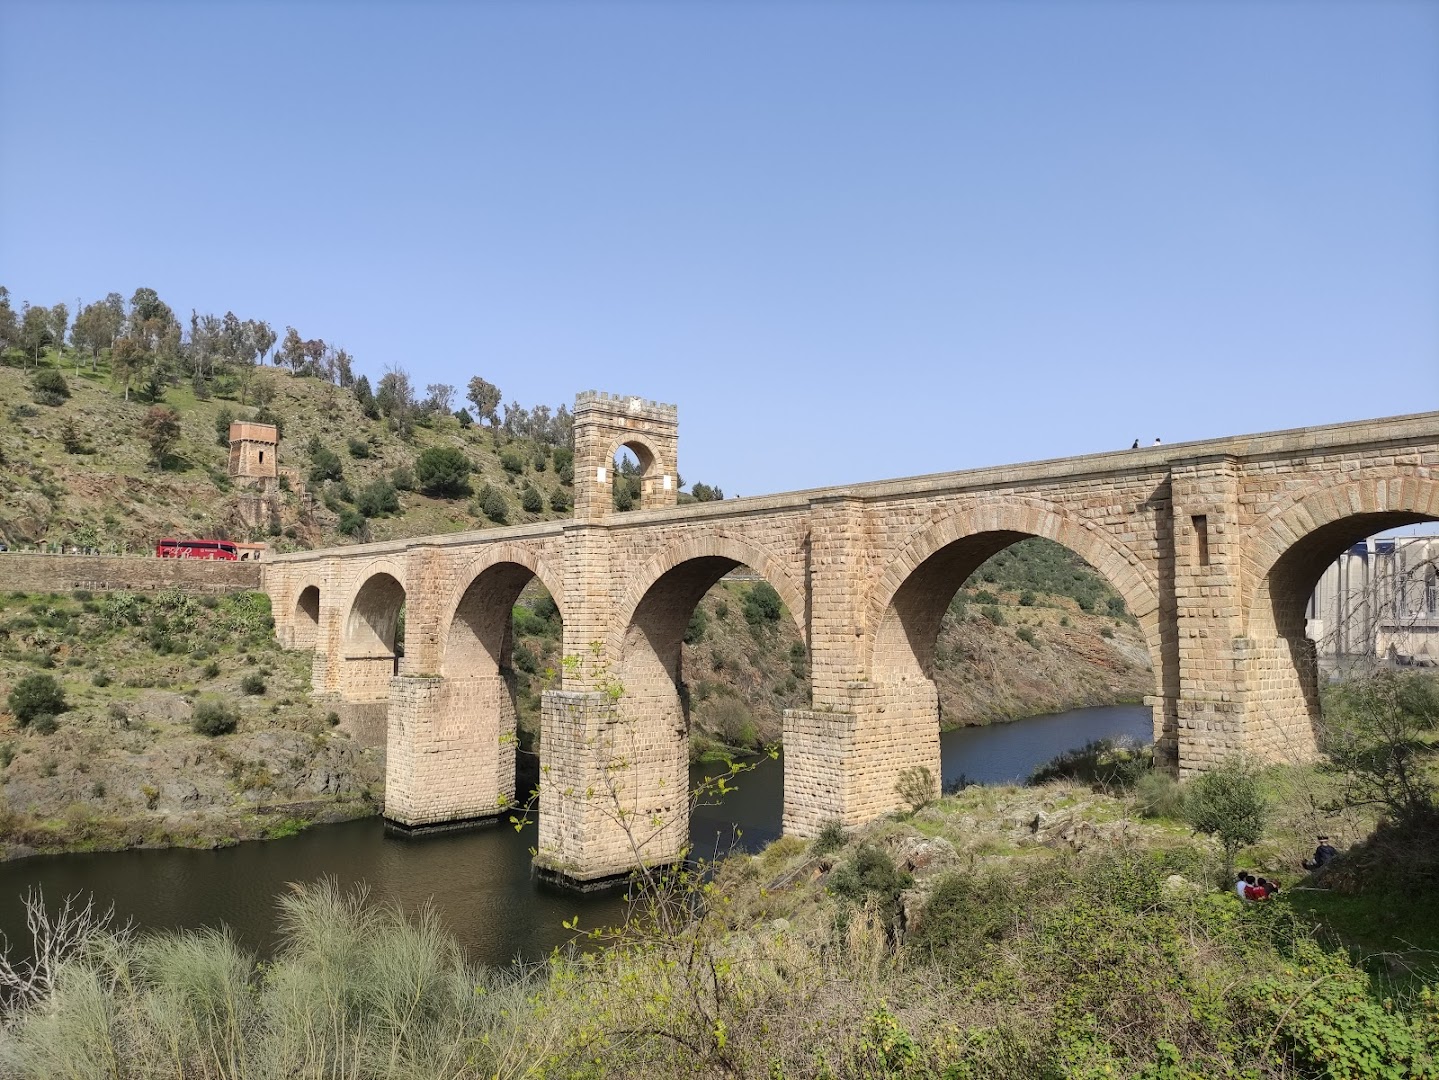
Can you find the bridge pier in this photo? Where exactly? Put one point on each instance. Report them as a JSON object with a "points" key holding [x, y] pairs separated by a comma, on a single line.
{"points": [[614, 792], [844, 763], [450, 750]]}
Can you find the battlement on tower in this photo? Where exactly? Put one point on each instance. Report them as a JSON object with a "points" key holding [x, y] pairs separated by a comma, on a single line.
{"points": [[596, 400]]}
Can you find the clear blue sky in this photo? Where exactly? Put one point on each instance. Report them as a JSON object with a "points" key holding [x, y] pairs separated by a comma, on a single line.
{"points": [[849, 241]]}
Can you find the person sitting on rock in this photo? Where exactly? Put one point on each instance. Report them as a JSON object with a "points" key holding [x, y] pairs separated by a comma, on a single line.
{"points": [[1324, 854]]}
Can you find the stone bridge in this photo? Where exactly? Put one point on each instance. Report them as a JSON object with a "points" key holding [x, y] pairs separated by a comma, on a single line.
{"points": [[1215, 547]]}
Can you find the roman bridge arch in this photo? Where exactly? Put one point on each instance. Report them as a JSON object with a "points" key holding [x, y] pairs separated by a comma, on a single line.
{"points": [[1211, 544], [1293, 545]]}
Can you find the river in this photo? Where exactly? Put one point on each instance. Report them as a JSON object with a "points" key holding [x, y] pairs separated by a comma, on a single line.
{"points": [[480, 881]]}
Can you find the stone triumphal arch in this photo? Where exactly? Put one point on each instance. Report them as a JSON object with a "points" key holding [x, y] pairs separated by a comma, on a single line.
{"points": [[1215, 547]]}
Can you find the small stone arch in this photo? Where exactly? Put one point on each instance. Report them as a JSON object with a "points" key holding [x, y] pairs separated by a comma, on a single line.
{"points": [[475, 630], [905, 609]]}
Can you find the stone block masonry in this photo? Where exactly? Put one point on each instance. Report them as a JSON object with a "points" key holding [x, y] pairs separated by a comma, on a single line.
{"points": [[1215, 547], [35, 573]]}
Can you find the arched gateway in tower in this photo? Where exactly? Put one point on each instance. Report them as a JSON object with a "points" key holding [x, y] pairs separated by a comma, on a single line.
{"points": [[1214, 546]]}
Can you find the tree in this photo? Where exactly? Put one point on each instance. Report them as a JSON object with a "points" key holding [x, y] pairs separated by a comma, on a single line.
{"points": [[59, 324], [9, 325], [443, 471], [485, 396], [36, 331], [366, 397], [705, 493], [762, 605], [98, 325], [438, 397], [50, 387], [261, 337], [1228, 804], [532, 500], [1376, 730], [35, 696], [161, 428], [395, 397], [128, 359]]}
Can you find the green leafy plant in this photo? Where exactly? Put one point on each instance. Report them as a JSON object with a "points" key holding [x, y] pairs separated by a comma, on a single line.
{"points": [[1228, 803], [35, 696]]}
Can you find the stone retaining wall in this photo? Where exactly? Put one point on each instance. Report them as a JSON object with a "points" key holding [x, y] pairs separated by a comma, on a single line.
{"points": [[35, 573]]}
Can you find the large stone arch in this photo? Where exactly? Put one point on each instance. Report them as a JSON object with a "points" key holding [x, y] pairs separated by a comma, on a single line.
{"points": [[476, 623], [718, 546], [906, 606], [1289, 551], [1294, 543]]}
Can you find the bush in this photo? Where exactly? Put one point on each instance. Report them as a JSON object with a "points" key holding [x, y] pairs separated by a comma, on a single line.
{"points": [[832, 837], [560, 501], [100, 679], [1026, 635], [223, 419], [511, 462], [359, 448], [698, 624], [44, 724], [994, 615], [403, 479], [1106, 763], [253, 684], [871, 874], [352, 522], [916, 787], [1159, 795], [50, 387], [35, 696], [210, 670], [1228, 804], [214, 718], [378, 499], [443, 471], [325, 464], [532, 501], [492, 504], [762, 605]]}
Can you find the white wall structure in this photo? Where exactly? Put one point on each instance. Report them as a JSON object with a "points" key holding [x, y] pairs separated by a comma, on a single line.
{"points": [[1379, 600]]}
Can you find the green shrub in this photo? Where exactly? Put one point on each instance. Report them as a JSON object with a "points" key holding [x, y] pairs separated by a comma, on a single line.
{"points": [[1026, 635], [44, 724], [698, 624], [832, 837], [512, 462], [492, 503], [35, 696], [916, 788], [50, 387], [210, 670], [532, 501], [378, 499], [253, 683], [1159, 795], [223, 419], [870, 874], [7, 754], [762, 604], [560, 501], [100, 679], [358, 447], [1227, 803], [214, 717], [352, 522], [403, 479], [1107, 763], [325, 464], [994, 615], [443, 471]]}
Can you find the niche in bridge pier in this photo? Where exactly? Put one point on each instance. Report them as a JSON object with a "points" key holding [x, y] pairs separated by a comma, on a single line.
{"points": [[374, 639], [307, 618]]}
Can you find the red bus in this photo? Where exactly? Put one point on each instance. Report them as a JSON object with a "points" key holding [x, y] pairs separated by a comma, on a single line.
{"points": [[197, 549]]}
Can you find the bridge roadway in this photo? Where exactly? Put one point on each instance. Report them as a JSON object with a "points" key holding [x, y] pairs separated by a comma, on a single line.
{"points": [[1215, 547]]}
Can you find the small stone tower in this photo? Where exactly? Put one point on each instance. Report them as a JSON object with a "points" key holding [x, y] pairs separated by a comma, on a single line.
{"points": [[606, 422], [254, 451]]}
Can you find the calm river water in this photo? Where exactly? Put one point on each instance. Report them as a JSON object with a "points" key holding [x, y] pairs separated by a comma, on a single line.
{"points": [[480, 881]]}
